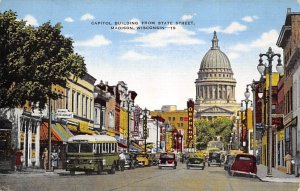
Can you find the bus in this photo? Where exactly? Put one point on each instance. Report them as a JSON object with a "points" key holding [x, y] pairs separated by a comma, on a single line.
{"points": [[92, 153]]}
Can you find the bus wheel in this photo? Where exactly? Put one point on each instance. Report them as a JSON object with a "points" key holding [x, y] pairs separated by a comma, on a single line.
{"points": [[100, 168], [72, 172], [113, 169]]}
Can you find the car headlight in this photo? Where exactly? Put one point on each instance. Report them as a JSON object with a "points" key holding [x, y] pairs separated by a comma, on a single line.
{"points": [[91, 161], [68, 161]]}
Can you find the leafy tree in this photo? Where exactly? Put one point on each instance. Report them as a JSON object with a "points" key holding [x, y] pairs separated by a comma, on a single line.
{"points": [[33, 59], [208, 130]]}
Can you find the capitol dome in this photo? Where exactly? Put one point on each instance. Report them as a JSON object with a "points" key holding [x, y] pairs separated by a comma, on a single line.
{"points": [[215, 59]]}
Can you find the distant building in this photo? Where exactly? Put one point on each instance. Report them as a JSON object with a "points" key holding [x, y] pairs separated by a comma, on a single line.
{"points": [[215, 86]]}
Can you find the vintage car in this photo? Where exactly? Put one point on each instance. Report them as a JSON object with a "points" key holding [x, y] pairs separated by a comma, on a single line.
{"points": [[195, 160], [228, 161], [130, 161], [142, 159], [243, 164], [214, 158], [167, 160]]}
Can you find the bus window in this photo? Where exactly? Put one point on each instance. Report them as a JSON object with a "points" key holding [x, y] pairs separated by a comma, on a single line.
{"points": [[104, 147], [100, 148], [112, 147], [86, 148], [107, 149], [73, 148]]}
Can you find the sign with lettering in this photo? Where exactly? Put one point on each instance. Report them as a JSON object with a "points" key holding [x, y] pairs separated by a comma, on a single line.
{"points": [[136, 121], [145, 132], [190, 129], [64, 114]]}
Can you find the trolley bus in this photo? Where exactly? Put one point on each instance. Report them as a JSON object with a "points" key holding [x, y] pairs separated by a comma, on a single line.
{"points": [[92, 153]]}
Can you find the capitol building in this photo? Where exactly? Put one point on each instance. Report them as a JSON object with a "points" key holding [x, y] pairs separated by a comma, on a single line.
{"points": [[215, 86]]}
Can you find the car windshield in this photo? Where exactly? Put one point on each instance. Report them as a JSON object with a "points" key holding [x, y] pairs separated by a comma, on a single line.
{"points": [[167, 156]]}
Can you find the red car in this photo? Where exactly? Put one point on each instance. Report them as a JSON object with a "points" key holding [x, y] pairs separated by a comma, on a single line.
{"points": [[243, 164], [167, 160]]}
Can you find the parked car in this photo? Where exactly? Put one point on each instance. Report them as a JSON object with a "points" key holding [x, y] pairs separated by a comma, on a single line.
{"points": [[142, 159], [228, 161], [214, 158], [195, 160], [130, 161], [167, 160], [243, 164]]}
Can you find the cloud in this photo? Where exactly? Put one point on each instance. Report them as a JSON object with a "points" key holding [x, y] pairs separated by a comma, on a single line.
{"points": [[134, 56], [87, 17], [69, 20], [249, 19], [240, 47], [96, 41], [30, 20], [128, 27], [187, 17], [210, 29], [233, 55], [162, 38], [266, 39], [298, 1], [233, 28]]}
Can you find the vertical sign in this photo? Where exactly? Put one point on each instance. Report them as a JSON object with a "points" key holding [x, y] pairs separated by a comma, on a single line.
{"points": [[145, 133], [136, 121], [190, 129]]}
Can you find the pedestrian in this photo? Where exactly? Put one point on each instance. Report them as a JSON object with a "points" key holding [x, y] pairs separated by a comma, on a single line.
{"points": [[45, 158], [288, 159], [19, 156]]}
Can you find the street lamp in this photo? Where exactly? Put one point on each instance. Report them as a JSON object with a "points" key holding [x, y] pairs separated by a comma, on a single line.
{"points": [[145, 114], [247, 95], [129, 102], [253, 88], [262, 69]]}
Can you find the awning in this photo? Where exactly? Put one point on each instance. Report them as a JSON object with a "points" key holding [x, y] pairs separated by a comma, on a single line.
{"points": [[79, 127], [58, 132], [122, 145], [133, 148]]}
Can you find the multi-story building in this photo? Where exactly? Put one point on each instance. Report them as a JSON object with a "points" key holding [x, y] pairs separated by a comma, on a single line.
{"points": [[177, 121], [289, 40]]}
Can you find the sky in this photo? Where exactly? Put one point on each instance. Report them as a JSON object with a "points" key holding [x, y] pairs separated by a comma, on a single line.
{"points": [[156, 46]]}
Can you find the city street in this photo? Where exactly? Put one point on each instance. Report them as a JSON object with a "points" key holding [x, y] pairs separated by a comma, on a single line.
{"points": [[148, 178]]}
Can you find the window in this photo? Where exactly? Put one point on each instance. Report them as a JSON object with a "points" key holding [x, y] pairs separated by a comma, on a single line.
{"points": [[86, 107], [91, 111], [82, 106], [104, 148], [67, 98], [73, 101], [77, 103], [73, 148], [86, 148], [181, 118], [173, 118]]}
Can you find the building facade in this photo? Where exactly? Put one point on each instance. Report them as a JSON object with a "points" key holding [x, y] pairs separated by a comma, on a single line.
{"points": [[215, 85]]}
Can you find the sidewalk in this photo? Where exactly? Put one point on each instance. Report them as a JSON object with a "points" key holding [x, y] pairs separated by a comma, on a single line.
{"points": [[277, 176]]}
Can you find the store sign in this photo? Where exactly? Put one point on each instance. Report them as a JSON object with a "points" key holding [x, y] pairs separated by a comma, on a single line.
{"points": [[145, 132], [190, 129], [64, 114], [136, 120]]}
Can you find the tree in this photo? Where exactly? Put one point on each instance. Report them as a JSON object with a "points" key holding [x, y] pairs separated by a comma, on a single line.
{"points": [[208, 130], [32, 60]]}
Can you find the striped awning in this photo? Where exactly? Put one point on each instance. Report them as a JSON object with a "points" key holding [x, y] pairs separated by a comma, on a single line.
{"points": [[58, 132]]}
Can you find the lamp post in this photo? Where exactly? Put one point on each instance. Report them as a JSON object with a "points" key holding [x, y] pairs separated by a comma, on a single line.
{"points": [[262, 69], [129, 101], [253, 89], [247, 95], [145, 114]]}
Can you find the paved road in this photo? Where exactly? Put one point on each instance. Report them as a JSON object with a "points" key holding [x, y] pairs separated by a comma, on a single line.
{"points": [[141, 179]]}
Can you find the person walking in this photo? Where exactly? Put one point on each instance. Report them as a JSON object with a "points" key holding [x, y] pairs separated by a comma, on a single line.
{"points": [[288, 159], [45, 158], [19, 155]]}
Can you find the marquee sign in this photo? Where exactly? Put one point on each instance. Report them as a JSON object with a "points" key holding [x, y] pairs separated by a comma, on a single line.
{"points": [[136, 121], [145, 133], [190, 129]]}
